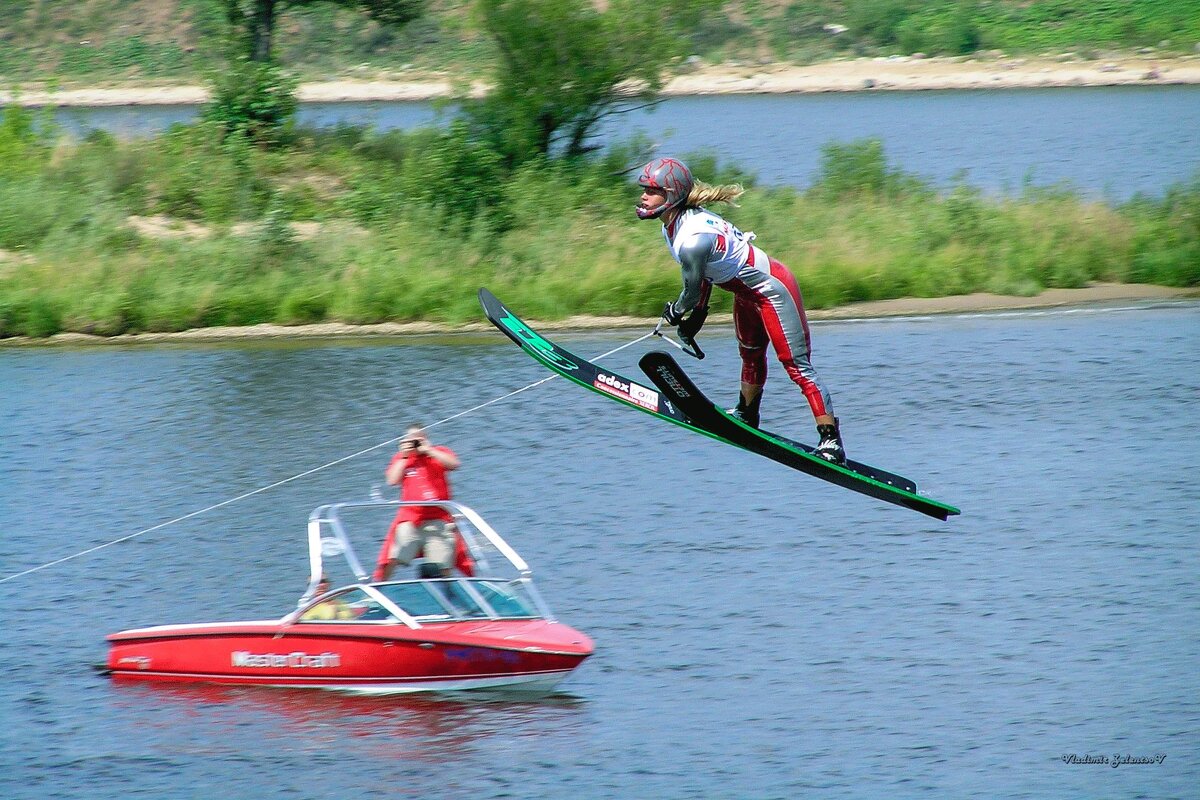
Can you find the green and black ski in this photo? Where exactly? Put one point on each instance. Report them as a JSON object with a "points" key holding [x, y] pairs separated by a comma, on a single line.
{"points": [[578, 369], [684, 395], [675, 403]]}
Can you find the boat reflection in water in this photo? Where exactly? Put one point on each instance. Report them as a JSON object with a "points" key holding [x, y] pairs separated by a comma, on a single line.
{"points": [[236, 719], [487, 630]]}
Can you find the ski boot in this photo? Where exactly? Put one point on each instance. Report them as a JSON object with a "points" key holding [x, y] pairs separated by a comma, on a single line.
{"points": [[830, 447], [747, 412]]}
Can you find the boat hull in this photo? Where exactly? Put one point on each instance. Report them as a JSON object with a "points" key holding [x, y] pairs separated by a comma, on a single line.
{"points": [[529, 655]]}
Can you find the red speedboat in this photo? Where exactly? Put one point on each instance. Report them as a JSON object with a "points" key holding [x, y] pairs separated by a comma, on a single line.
{"points": [[487, 630]]}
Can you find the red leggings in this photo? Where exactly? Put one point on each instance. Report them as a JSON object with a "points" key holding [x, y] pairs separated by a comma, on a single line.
{"points": [[773, 311]]}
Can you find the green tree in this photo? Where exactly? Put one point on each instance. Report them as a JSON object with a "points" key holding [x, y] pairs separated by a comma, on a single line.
{"points": [[879, 21], [563, 65], [255, 20], [252, 96]]}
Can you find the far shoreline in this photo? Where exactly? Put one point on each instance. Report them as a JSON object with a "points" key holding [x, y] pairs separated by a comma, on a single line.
{"points": [[893, 73], [978, 303]]}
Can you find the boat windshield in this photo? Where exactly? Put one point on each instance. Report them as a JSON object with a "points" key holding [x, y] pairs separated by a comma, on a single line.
{"points": [[458, 599], [352, 605], [510, 598]]}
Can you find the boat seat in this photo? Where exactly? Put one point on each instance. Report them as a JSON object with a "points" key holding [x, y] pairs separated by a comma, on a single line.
{"points": [[375, 611], [429, 569]]}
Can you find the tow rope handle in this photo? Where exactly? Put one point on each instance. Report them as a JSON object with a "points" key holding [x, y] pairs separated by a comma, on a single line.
{"points": [[687, 344]]}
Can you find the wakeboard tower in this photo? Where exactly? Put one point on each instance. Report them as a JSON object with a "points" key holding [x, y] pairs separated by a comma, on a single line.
{"points": [[676, 399]]}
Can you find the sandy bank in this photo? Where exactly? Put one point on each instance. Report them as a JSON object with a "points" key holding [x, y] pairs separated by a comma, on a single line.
{"points": [[915, 74], [862, 74], [1106, 293]]}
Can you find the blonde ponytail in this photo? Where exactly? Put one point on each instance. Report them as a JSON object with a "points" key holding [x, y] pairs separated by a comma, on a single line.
{"points": [[702, 194]]}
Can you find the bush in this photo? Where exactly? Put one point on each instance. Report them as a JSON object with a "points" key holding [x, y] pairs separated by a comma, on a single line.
{"points": [[447, 171], [879, 21], [860, 168], [24, 144], [442, 171], [950, 30], [1166, 246], [30, 313], [252, 99], [194, 172]]}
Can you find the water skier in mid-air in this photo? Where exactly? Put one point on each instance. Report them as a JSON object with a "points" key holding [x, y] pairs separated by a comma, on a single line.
{"points": [[767, 306]]}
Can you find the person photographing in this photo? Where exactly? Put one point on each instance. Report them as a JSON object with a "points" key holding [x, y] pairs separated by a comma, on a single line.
{"points": [[419, 468]]}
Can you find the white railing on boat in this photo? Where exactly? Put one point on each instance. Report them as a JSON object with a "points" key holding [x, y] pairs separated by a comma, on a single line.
{"points": [[327, 538]]}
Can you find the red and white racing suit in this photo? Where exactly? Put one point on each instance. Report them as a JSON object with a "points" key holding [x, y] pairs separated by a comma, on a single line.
{"points": [[767, 304]]}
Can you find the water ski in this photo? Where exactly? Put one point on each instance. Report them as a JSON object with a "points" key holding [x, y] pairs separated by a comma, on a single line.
{"points": [[677, 400], [577, 369], [702, 413]]}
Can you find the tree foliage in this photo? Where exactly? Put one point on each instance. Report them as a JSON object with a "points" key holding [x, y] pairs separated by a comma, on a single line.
{"points": [[563, 65], [255, 20], [252, 96]]}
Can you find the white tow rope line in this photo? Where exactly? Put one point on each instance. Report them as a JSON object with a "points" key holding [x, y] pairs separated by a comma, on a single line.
{"points": [[304, 474]]}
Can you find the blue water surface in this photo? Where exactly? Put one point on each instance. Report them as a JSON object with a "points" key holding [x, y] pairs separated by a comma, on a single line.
{"points": [[1104, 141], [759, 634]]}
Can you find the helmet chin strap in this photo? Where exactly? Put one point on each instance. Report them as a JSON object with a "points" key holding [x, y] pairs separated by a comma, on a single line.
{"points": [[655, 213]]}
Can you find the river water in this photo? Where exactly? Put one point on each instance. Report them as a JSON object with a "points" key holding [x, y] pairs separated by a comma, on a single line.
{"points": [[1110, 142], [760, 634]]}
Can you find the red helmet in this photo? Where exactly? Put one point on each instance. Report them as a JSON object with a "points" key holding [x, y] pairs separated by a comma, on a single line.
{"points": [[669, 175]]}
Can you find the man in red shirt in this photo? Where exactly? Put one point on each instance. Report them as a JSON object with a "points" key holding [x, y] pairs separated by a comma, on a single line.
{"points": [[419, 469]]}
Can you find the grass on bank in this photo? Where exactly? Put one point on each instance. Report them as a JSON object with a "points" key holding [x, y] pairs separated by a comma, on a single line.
{"points": [[407, 226]]}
